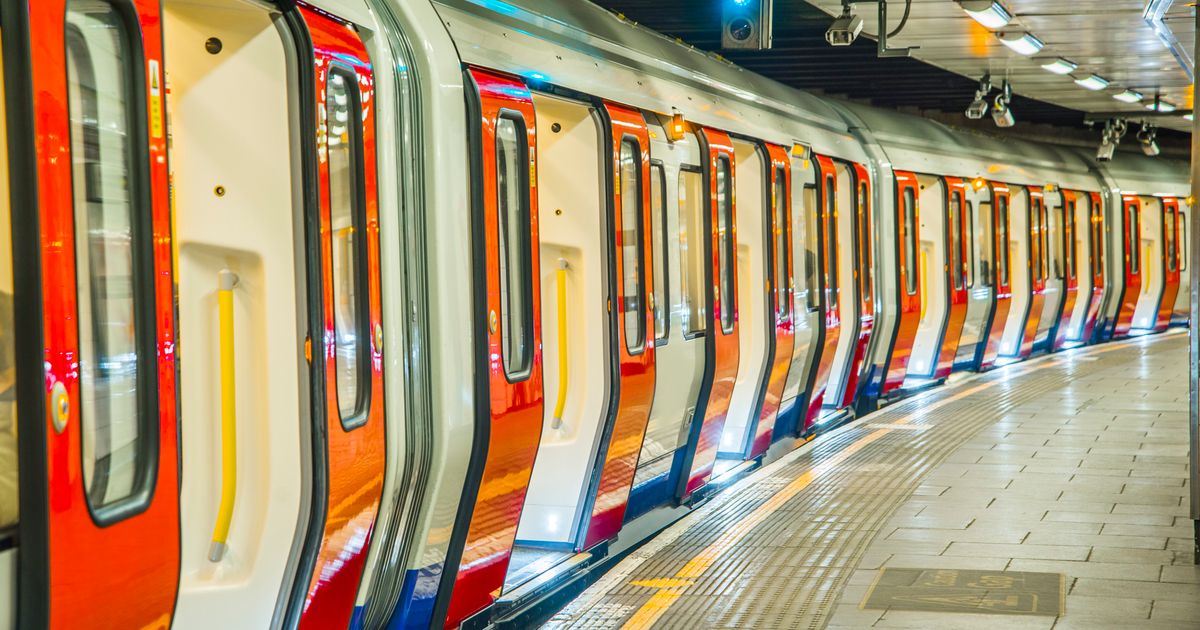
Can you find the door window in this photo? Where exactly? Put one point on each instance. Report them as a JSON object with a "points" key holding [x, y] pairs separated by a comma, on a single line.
{"points": [[691, 250], [812, 247], [1182, 245], [658, 253], [512, 186], [1072, 248], [1002, 243], [111, 253], [866, 273], [725, 245], [1133, 240], [783, 296], [1172, 227], [956, 244], [985, 241], [910, 242], [831, 270], [632, 284], [1097, 244]]}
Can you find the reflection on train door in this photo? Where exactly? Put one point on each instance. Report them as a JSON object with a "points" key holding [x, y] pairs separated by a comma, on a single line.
{"points": [[780, 317], [508, 390], [910, 279], [1070, 249], [865, 277], [827, 194], [348, 434], [1037, 269], [96, 369], [1183, 302], [956, 242], [630, 226], [1003, 279], [1132, 244], [1171, 257], [721, 347]]}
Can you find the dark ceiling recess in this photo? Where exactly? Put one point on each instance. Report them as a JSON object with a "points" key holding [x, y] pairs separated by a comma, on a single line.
{"points": [[801, 58]]}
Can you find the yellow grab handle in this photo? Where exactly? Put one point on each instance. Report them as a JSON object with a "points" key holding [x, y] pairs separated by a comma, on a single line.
{"points": [[561, 277], [226, 280]]}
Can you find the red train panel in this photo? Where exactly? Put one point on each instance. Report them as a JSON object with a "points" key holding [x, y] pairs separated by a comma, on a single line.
{"points": [[1070, 201], [1131, 231], [1172, 226], [1003, 280], [1099, 245], [908, 220], [864, 276], [956, 243], [827, 193]]}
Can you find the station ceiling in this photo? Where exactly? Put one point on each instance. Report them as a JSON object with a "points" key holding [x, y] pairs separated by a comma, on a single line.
{"points": [[1109, 38]]}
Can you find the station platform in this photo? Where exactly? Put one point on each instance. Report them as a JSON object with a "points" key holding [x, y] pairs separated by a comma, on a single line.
{"points": [[1046, 494]]}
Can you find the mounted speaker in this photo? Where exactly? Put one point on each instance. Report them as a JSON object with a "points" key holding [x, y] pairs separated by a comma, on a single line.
{"points": [[746, 24]]}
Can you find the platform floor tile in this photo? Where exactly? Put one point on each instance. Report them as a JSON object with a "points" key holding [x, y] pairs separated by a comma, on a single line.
{"points": [[1072, 464]]}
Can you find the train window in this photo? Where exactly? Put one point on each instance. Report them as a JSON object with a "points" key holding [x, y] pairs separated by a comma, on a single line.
{"points": [[783, 294], [866, 271], [9, 511], [347, 214], [112, 255], [986, 242], [1002, 244], [969, 245], [956, 240], [812, 249], [691, 250], [1097, 239], [632, 246], [1035, 239], [910, 238], [658, 253], [725, 246], [512, 188], [1171, 228], [1045, 237], [831, 260], [1133, 240], [1182, 245], [1072, 248]]}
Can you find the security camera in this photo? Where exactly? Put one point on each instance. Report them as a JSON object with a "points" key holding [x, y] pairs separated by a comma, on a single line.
{"points": [[1002, 113], [1148, 138], [1114, 129], [845, 29], [978, 108], [1106, 151]]}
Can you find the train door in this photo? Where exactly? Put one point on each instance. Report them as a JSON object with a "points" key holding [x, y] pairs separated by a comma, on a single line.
{"points": [[1053, 247], [864, 277], [1002, 277], [1025, 250], [508, 327], [827, 237], [806, 311], [9, 479], [1183, 301], [1098, 260], [94, 298], [756, 322], [844, 367], [1171, 258], [910, 313], [753, 437], [721, 351], [1069, 245], [677, 206], [631, 242], [1131, 245], [981, 295], [944, 305], [1153, 263], [577, 355], [1075, 323]]}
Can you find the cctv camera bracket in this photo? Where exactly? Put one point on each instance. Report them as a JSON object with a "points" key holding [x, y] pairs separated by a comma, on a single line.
{"points": [[884, 50]]}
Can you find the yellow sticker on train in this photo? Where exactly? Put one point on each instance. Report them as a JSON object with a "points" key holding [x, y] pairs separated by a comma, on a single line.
{"points": [[156, 112]]}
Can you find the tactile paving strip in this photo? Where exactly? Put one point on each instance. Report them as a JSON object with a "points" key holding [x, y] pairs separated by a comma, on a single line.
{"points": [[751, 559]]}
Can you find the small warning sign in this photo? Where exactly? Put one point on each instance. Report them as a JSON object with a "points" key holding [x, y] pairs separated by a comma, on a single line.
{"points": [[154, 81], [968, 591]]}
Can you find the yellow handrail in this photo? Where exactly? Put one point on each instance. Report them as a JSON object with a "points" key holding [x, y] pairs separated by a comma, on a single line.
{"points": [[226, 280], [560, 405]]}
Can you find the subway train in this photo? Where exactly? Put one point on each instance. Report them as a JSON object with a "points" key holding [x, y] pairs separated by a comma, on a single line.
{"points": [[419, 311]]}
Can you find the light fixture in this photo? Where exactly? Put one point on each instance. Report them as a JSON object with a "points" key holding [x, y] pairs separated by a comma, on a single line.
{"points": [[1128, 96], [1148, 138], [1161, 107], [845, 28], [1189, 117], [1021, 42], [1060, 66], [677, 128], [1001, 112], [990, 14], [1092, 82], [979, 107]]}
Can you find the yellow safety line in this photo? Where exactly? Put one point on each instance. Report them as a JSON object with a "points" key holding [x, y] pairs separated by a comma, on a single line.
{"points": [[226, 279], [669, 590]]}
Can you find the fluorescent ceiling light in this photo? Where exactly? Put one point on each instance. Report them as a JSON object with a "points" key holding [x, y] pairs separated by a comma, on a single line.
{"points": [[991, 14], [1128, 96], [1092, 82], [1161, 107], [1060, 66], [1189, 117], [1022, 43]]}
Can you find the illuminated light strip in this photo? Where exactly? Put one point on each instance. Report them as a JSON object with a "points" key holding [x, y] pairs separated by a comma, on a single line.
{"points": [[669, 590]]}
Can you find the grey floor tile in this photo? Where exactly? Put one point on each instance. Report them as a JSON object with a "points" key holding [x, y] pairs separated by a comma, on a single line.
{"points": [[1181, 611], [932, 621], [1097, 541], [1156, 591], [1102, 570], [1048, 552], [1132, 556], [1108, 607], [1108, 517]]}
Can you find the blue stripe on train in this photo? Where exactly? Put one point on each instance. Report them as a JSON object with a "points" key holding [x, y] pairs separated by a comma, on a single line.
{"points": [[415, 608]]}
